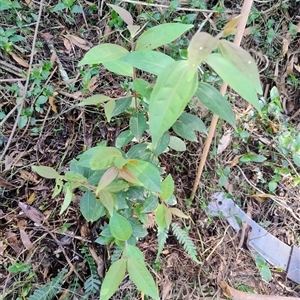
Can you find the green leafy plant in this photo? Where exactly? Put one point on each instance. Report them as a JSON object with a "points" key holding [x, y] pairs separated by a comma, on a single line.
{"points": [[128, 187], [263, 268], [7, 5], [67, 5], [50, 289], [92, 284], [8, 37]]}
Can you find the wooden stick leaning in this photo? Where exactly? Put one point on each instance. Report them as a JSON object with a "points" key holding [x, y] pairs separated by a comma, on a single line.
{"points": [[238, 37]]}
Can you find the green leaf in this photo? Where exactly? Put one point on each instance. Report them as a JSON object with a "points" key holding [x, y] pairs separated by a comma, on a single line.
{"points": [[133, 29], [150, 204], [142, 87], [91, 208], [134, 252], [124, 138], [112, 279], [251, 157], [103, 53], [109, 108], [119, 227], [263, 267], [162, 144], [18, 268], [201, 45], [123, 13], [117, 186], [184, 131], [232, 75], [160, 216], [296, 159], [243, 61], [186, 241], [46, 172], [119, 67], [265, 273], [177, 144], [58, 187], [75, 177], [160, 35], [108, 199], [167, 188], [138, 125], [147, 174], [193, 121], [67, 200], [214, 101], [177, 212], [137, 229], [272, 186], [138, 150], [173, 90], [142, 278], [104, 158], [94, 100], [149, 61], [121, 106]]}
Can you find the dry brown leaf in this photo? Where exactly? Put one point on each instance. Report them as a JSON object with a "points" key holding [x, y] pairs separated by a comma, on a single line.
{"points": [[290, 66], [79, 42], [32, 213], [238, 295], [29, 2], [224, 142], [5, 184], [19, 60], [286, 40], [229, 187], [24, 236], [99, 261], [166, 287], [77, 95], [285, 46], [2, 248], [231, 26], [53, 57], [31, 198], [13, 241], [85, 230], [150, 221], [51, 102], [64, 295], [67, 45], [92, 84], [235, 161], [260, 197], [31, 177]]}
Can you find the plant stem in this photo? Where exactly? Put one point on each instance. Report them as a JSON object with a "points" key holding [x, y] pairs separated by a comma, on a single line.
{"points": [[239, 35]]}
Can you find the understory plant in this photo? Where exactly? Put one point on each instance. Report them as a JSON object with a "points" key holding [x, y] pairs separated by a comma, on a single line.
{"points": [[126, 185]]}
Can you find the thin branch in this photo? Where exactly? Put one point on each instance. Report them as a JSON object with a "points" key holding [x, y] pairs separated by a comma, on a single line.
{"points": [[239, 35]]}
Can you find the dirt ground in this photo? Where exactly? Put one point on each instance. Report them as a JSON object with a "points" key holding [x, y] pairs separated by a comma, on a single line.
{"points": [[67, 130]]}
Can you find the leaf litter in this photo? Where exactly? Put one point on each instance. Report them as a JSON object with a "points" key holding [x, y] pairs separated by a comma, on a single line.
{"points": [[218, 245]]}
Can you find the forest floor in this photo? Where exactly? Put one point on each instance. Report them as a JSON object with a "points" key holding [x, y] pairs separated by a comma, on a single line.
{"points": [[49, 129]]}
